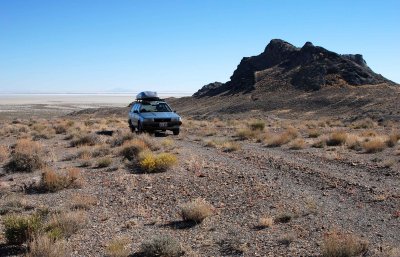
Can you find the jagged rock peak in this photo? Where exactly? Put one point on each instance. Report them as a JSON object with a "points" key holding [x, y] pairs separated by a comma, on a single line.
{"points": [[308, 44], [279, 45]]}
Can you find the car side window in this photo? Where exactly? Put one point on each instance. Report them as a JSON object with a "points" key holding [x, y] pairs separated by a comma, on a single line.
{"points": [[133, 108]]}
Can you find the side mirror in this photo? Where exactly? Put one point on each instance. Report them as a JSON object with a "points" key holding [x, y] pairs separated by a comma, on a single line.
{"points": [[175, 111], [135, 111]]}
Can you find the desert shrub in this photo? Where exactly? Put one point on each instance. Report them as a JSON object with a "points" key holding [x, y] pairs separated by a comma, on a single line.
{"points": [[4, 153], [165, 246], [28, 146], [343, 245], [283, 138], [366, 123], [44, 246], [298, 144], [151, 142], [83, 202], [319, 144], [246, 133], [104, 162], [53, 182], [130, 150], [167, 143], [45, 134], [120, 139], [100, 151], [118, 247], [24, 162], [368, 133], [60, 129], [337, 138], [374, 145], [18, 229], [353, 142], [39, 127], [257, 125], [151, 162], [85, 140], [265, 222], [196, 210], [65, 224], [284, 217], [212, 143], [14, 204], [393, 139], [314, 133], [230, 146]]}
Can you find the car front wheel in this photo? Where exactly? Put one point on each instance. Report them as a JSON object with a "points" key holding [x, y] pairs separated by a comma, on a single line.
{"points": [[176, 132]]}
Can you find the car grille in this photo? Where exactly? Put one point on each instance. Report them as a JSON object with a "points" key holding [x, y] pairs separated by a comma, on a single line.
{"points": [[162, 120]]}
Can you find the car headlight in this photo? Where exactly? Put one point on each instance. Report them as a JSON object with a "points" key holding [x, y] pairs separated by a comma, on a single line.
{"points": [[176, 119]]}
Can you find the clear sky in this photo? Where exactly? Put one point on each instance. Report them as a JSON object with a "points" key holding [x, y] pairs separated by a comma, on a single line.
{"points": [[92, 46]]}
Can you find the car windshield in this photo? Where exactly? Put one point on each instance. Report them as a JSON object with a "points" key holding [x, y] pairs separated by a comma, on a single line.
{"points": [[155, 107]]}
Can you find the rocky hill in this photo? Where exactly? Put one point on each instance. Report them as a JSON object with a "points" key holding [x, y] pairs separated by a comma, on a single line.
{"points": [[283, 66]]}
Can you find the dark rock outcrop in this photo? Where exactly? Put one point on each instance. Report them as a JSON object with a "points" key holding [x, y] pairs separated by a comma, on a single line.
{"points": [[282, 66]]}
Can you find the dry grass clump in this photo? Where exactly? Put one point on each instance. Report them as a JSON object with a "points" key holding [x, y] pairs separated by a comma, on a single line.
{"points": [[168, 143], [60, 128], [118, 247], [283, 138], [44, 246], [393, 139], [104, 162], [196, 210], [85, 140], [65, 224], [28, 146], [231, 146], [130, 150], [100, 151], [314, 133], [366, 123], [82, 202], [374, 145], [265, 222], [165, 246], [13, 204], [353, 142], [284, 217], [151, 162], [368, 133], [21, 162], [150, 141], [298, 144], [120, 139], [18, 229], [53, 182], [4, 153], [246, 133], [337, 138], [337, 244], [257, 125]]}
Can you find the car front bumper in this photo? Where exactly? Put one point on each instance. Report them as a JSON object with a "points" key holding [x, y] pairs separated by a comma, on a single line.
{"points": [[170, 125]]}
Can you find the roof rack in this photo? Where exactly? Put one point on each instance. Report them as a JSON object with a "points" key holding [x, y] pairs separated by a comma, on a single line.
{"points": [[147, 95]]}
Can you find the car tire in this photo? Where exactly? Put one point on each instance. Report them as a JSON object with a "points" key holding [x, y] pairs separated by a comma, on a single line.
{"points": [[132, 128], [176, 132], [139, 128]]}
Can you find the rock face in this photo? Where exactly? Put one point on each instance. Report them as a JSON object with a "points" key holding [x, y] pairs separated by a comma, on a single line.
{"points": [[282, 66]]}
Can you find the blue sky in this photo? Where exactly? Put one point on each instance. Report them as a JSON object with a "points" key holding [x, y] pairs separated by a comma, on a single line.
{"points": [[92, 46]]}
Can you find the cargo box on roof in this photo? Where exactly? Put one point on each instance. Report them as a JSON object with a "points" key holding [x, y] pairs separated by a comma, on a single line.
{"points": [[147, 95]]}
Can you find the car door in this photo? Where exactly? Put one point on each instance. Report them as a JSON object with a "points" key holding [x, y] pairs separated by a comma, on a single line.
{"points": [[135, 114]]}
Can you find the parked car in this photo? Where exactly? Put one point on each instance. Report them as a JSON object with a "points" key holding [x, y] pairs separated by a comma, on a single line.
{"points": [[150, 113]]}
